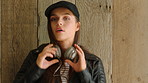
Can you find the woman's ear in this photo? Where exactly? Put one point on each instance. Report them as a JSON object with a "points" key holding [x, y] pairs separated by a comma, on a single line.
{"points": [[78, 26]]}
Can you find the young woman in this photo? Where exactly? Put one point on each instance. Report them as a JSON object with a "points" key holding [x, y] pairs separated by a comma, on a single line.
{"points": [[62, 60]]}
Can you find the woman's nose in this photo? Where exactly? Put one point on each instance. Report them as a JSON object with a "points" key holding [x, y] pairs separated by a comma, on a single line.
{"points": [[60, 23]]}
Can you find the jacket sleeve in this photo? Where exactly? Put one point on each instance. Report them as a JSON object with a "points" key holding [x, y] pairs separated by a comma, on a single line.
{"points": [[29, 71], [94, 73]]}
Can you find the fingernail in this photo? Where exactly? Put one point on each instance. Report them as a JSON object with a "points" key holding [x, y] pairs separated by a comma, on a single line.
{"points": [[57, 60]]}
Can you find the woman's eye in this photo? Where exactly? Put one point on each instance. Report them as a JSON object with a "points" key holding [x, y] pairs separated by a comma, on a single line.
{"points": [[66, 18], [53, 19]]}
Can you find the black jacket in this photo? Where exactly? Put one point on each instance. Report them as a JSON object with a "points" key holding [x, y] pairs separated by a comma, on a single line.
{"points": [[31, 73]]}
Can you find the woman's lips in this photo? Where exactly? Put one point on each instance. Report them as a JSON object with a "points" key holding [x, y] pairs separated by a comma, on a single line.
{"points": [[59, 30]]}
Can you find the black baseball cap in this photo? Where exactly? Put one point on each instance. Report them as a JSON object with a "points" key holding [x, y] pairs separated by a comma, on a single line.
{"points": [[64, 4]]}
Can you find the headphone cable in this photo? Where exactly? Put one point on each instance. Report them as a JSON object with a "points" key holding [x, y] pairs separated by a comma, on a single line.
{"points": [[54, 74]]}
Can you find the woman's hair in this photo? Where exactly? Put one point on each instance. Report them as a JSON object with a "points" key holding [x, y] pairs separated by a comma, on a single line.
{"points": [[52, 37]]}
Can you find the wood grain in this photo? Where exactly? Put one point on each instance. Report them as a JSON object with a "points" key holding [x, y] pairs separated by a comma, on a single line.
{"points": [[0, 45], [19, 35], [42, 21], [16, 22], [130, 39], [73, 1], [96, 30], [122, 45]]}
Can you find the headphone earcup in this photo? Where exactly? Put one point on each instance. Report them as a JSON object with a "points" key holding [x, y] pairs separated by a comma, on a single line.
{"points": [[58, 52], [70, 53]]}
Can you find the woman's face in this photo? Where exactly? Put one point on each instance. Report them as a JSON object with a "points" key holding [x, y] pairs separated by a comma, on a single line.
{"points": [[64, 24]]}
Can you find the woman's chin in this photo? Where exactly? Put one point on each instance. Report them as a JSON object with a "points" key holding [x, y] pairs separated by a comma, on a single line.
{"points": [[60, 39]]}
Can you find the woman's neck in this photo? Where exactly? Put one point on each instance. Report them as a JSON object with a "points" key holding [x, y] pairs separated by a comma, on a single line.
{"points": [[65, 45]]}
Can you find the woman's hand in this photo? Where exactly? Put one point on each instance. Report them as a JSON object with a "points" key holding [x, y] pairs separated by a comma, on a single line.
{"points": [[81, 63], [48, 51]]}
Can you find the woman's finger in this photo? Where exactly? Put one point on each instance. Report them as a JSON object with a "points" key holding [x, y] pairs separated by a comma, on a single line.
{"points": [[49, 45], [49, 48], [70, 63], [49, 55], [53, 61], [78, 47], [52, 50], [79, 53]]}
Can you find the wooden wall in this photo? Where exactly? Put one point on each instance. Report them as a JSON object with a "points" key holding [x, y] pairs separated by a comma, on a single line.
{"points": [[0, 45], [114, 30], [18, 35], [130, 41]]}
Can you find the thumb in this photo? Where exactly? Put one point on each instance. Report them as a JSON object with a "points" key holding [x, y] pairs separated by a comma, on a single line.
{"points": [[54, 61], [70, 63]]}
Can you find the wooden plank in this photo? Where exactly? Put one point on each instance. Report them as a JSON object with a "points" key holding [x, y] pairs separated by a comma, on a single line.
{"points": [[73, 1], [96, 30], [0, 45], [19, 34], [130, 39], [42, 20]]}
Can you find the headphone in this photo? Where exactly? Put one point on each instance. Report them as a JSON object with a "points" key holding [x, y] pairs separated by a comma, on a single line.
{"points": [[70, 53]]}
